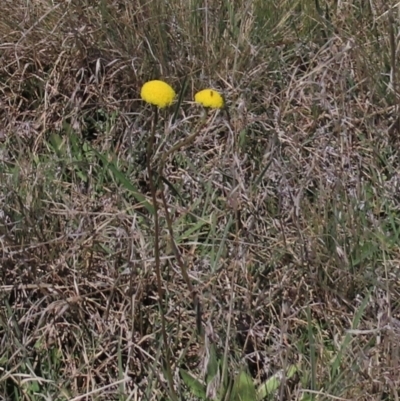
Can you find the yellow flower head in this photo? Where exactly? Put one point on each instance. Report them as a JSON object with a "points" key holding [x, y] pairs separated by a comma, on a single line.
{"points": [[157, 93], [209, 98]]}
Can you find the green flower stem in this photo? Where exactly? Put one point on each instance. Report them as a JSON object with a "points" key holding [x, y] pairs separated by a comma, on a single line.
{"points": [[168, 369], [181, 263]]}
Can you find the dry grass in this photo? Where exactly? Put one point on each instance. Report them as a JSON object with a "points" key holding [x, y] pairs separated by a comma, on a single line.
{"points": [[286, 214]]}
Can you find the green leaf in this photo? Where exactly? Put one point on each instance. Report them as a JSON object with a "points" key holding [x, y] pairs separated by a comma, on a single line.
{"points": [[243, 388], [242, 138], [57, 144], [213, 365], [313, 357], [195, 387], [221, 248], [347, 339], [272, 384]]}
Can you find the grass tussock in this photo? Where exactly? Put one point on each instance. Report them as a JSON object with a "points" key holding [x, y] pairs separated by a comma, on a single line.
{"points": [[283, 211]]}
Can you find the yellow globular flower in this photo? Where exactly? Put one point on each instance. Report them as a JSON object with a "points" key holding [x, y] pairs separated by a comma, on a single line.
{"points": [[209, 98], [158, 93]]}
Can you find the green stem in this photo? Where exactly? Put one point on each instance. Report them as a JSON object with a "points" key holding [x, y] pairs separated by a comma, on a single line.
{"points": [[150, 147], [181, 263]]}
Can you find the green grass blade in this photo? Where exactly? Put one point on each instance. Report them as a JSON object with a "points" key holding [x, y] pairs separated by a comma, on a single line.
{"points": [[194, 385], [335, 370]]}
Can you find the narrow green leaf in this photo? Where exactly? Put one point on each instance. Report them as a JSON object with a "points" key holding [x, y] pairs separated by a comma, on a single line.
{"points": [[221, 246], [192, 230], [268, 387], [194, 385], [213, 365], [292, 370], [272, 384], [313, 358], [243, 388], [357, 318], [57, 144]]}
